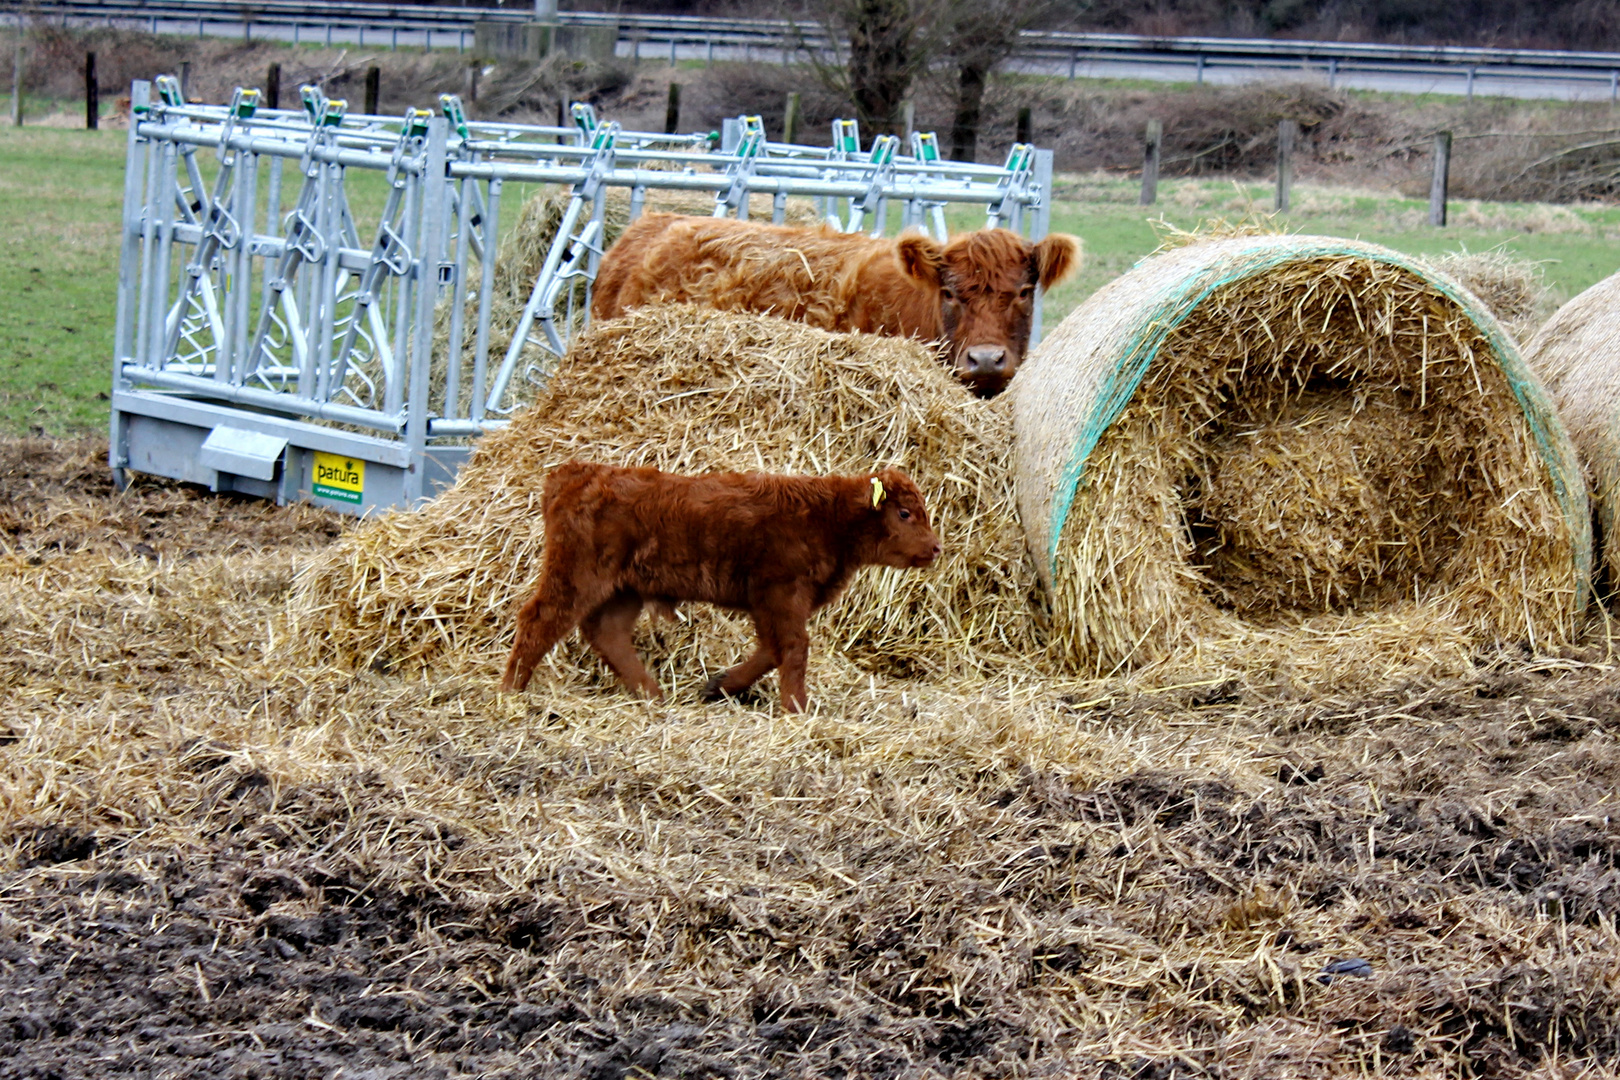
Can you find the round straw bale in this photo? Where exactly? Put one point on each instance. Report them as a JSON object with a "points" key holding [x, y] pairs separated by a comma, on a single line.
{"points": [[1577, 354], [1515, 290], [690, 391], [1302, 454]]}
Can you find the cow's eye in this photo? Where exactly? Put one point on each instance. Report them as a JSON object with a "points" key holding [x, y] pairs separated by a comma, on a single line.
{"points": [[950, 294], [905, 515], [1026, 292]]}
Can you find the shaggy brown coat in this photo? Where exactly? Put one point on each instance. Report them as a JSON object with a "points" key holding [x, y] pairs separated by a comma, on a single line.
{"points": [[777, 547], [975, 294]]}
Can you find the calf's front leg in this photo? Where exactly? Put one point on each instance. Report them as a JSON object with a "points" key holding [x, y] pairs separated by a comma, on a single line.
{"points": [[735, 680]]}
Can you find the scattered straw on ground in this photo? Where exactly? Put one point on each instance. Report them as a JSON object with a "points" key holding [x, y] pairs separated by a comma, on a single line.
{"points": [[1298, 458], [692, 391], [1577, 354], [218, 861]]}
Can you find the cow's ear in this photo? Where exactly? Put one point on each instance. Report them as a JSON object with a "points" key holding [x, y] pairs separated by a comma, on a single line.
{"points": [[1056, 257], [922, 259]]}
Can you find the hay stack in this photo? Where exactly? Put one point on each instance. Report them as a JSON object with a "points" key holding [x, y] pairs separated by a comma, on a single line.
{"points": [[1294, 453], [690, 391], [1577, 354]]}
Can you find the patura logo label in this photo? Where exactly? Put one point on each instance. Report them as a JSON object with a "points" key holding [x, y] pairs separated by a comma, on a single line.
{"points": [[340, 478]]}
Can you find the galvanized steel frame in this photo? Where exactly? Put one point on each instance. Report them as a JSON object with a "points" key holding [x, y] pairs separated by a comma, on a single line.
{"points": [[250, 301]]}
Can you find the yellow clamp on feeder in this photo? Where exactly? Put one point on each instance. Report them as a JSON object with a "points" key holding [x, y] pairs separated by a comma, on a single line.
{"points": [[877, 493]]}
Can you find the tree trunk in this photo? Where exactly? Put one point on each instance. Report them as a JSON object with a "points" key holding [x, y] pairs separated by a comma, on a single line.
{"points": [[969, 107], [880, 40]]}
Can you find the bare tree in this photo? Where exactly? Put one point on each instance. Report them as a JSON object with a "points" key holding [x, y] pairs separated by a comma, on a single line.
{"points": [[983, 33], [889, 42]]}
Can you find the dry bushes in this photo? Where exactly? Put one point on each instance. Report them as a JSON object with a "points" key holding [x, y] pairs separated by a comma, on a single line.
{"points": [[690, 391], [1577, 354], [1294, 455]]}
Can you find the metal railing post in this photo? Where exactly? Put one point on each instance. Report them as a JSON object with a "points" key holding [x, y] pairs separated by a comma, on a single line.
{"points": [[435, 185]]}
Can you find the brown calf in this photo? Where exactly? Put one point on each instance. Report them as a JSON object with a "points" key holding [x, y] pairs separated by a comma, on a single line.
{"points": [[777, 547], [975, 294]]}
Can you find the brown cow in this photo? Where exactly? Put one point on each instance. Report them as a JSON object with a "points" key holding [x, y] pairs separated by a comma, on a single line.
{"points": [[777, 547], [975, 294]]}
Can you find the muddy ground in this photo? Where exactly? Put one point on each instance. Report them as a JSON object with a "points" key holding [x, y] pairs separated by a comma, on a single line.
{"points": [[217, 866]]}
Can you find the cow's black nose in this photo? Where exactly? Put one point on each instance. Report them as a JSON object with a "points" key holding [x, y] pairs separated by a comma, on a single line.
{"points": [[986, 358]]}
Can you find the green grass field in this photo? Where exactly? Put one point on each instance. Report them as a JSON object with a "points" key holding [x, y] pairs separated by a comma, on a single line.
{"points": [[59, 209]]}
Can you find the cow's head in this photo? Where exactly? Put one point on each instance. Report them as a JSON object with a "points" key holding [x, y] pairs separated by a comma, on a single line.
{"points": [[904, 538], [986, 283]]}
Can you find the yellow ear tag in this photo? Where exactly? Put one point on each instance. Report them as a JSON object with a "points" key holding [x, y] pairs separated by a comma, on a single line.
{"points": [[877, 493]]}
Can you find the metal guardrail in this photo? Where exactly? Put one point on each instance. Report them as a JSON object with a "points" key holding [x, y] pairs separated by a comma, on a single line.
{"points": [[773, 32], [278, 333]]}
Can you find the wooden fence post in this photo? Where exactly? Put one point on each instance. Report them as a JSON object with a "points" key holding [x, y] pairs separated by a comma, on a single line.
{"points": [[1287, 133], [185, 80], [472, 82], [672, 111], [1152, 146], [16, 83], [1022, 130], [1439, 183], [272, 87], [908, 114], [373, 89], [790, 118], [92, 99]]}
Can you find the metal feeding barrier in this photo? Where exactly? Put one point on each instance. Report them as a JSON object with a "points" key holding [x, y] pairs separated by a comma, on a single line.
{"points": [[306, 302]]}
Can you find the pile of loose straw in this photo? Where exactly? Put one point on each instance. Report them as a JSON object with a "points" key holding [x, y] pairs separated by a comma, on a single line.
{"points": [[690, 391], [1299, 455]]}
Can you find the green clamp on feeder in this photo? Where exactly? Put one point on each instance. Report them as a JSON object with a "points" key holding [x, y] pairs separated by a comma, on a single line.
{"points": [[311, 98], [416, 121], [883, 149], [925, 146], [584, 116], [847, 136], [450, 105], [244, 103], [168, 88], [753, 125], [604, 138], [335, 110]]}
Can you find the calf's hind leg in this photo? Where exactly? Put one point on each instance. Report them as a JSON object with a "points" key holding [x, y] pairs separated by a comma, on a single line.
{"points": [[555, 608], [607, 629]]}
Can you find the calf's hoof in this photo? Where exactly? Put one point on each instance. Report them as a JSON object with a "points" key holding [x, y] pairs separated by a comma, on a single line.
{"points": [[712, 692]]}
